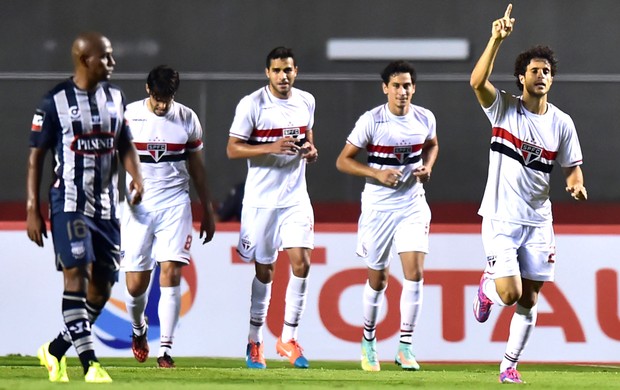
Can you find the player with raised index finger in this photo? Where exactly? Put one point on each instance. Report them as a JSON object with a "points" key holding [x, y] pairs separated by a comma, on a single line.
{"points": [[529, 136]]}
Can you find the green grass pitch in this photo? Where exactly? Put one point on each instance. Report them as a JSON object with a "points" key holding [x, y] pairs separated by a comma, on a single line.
{"points": [[24, 372]]}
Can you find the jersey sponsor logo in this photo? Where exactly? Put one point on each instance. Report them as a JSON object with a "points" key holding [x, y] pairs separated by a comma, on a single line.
{"points": [[37, 120], [74, 113], [530, 152], [93, 144], [157, 150], [291, 132], [402, 152]]}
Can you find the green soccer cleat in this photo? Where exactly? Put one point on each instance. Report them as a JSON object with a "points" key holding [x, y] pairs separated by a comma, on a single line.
{"points": [[370, 361], [97, 374], [57, 370], [405, 358]]}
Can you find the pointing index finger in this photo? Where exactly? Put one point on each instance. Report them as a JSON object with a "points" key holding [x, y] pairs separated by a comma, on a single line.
{"points": [[508, 11]]}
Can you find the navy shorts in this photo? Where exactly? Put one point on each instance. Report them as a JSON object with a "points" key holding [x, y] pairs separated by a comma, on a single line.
{"points": [[79, 240]]}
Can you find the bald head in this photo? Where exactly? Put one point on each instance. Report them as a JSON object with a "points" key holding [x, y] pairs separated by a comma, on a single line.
{"points": [[92, 59]]}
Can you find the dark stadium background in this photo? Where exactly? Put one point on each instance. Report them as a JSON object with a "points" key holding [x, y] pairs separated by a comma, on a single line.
{"points": [[219, 47]]}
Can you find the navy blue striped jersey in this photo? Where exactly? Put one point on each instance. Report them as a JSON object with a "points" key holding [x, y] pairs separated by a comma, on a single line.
{"points": [[82, 129]]}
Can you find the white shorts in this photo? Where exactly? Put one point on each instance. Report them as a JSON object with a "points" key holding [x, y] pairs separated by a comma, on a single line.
{"points": [[265, 231], [406, 230], [514, 249], [157, 236]]}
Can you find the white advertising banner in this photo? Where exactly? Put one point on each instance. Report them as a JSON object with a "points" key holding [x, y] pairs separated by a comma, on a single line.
{"points": [[578, 317]]}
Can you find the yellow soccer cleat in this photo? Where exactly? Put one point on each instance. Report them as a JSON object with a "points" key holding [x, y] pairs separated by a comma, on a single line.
{"points": [[97, 374], [57, 370]]}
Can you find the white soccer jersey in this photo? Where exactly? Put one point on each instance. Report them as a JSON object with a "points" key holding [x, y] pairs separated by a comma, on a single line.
{"points": [[163, 143], [393, 141], [524, 147], [274, 180]]}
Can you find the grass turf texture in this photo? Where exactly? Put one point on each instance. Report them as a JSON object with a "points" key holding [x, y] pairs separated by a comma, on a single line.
{"points": [[24, 372]]}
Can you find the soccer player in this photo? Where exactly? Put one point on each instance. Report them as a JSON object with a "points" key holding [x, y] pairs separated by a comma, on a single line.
{"points": [[401, 144], [529, 135], [158, 231], [81, 121], [272, 128]]}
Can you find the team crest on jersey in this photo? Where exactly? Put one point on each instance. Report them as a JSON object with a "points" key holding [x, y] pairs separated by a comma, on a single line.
{"points": [[530, 152], [111, 109], [37, 120], [402, 152], [291, 132], [156, 150], [491, 260]]}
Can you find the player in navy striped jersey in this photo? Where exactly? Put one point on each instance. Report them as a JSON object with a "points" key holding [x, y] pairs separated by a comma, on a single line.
{"points": [[158, 231], [529, 136], [401, 143], [273, 130], [81, 121]]}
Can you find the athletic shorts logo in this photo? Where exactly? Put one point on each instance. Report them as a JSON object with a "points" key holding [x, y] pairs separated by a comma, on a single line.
{"points": [[78, 249], [402, 152], [156, 150], [491, 260], [37, 120], [530, 152], [245, 243]]}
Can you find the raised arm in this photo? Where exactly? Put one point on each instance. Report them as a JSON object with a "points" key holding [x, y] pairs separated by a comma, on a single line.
{"points": [[479, 81]]}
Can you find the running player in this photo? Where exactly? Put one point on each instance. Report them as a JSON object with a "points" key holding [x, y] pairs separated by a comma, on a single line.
{"points": [[272, 128], [82, 122], [401, 142], [158, 231], [529, 136]]}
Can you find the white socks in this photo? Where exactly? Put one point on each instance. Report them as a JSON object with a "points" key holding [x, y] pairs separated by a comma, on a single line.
{"points": [[521, 327], [259, 304], [410, 305], [168, 309], [296, 294], [135, 308], [371, 304]]}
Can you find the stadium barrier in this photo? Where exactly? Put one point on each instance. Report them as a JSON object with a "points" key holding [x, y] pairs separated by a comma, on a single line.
{"points": [[578, 314]]}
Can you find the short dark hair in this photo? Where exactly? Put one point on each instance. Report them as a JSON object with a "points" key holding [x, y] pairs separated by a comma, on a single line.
{"points": [[163, 82], [279, 52], [396, 67], [539, 51]]}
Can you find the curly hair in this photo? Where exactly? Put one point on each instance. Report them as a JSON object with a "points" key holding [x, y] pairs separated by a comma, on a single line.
{"points": [[396, 67], [523, 60]]}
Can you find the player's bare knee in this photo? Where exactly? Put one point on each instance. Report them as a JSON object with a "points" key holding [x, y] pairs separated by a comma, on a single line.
{"points": [[509, 297]]}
